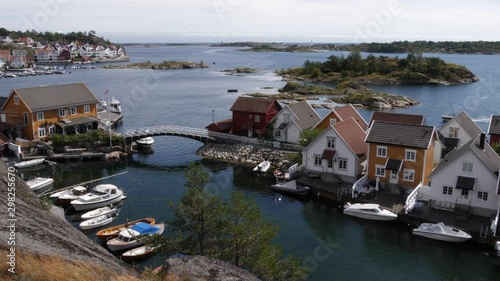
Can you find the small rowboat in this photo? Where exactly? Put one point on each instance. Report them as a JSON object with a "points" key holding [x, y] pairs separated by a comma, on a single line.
{"points": [[139, 253], [29, 163], [96, 222], [99, 212], [111, 232], [262, 167], [39, 183]]}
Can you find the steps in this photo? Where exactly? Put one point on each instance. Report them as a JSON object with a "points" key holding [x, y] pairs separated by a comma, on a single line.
{"points": [[461, 212]]}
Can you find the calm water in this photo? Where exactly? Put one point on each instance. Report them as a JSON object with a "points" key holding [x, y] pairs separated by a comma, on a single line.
{"points": [[362, 250]]}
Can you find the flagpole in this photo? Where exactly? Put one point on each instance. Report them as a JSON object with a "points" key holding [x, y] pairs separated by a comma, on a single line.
{"points": [[109, 117]]}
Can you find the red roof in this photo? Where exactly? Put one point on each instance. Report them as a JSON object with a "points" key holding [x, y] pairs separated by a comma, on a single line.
{"points": [[253, 105], [221, 126], [354, 136], [328, 154], [397, 118], [5, 54], [347, 111]]}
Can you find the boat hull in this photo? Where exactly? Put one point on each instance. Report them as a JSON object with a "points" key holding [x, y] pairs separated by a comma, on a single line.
{"points": [[290, 188], [89, 224], [29, 163], [39, 183], [99, 212], [373, 217], [440, 236], [138, 253], [83, 207], [113, 231], [262, 167], [116, 244]]}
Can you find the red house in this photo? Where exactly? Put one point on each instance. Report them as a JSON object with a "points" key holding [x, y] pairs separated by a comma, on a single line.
{"points": [[65, 55], [252, 115], [494, 129]]}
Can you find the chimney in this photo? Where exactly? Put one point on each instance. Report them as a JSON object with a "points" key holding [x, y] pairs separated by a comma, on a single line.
{"points": [[481, 141]]}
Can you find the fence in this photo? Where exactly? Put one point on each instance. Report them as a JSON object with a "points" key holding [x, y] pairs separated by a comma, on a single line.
{"points": [[411, 200]]}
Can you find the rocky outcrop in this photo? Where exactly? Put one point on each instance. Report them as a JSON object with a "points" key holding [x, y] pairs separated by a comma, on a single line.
{"points": [[246, 154], [199, 268]]}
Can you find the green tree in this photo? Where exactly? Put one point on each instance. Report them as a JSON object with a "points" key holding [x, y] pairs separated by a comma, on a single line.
{"points": [[496, 147], [307, 136]]}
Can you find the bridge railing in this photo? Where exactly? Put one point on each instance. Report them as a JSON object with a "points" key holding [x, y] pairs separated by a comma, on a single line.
{"points": [[255, 141]]}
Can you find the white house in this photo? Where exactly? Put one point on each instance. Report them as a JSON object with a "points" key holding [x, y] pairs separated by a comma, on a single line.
{"points": [[457, 131], [467, 177], [339, 151], [292, 120], [17, 62]]}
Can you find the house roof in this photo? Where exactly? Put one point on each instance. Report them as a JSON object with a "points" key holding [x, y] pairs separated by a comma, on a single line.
{"points": [[57, 96], [397, 118], [469, 126], [494, 127], [77, 121], [409, 135], [306, 115], [2, 101], [5, 54], [220, 126], [353, 135], [488, 156], [328, 154], [347, 111], [254, 105]]}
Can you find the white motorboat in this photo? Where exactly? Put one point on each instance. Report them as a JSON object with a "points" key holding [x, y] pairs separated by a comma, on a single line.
{"points": [[39, 183], [102, 195], [145, 142], [138, 253], [29, 163], [131, 237], [65, 197], [99, 212], [262, 167], [290, 187], [442, 232], [96, 222], [114, 106], [369, 212]]}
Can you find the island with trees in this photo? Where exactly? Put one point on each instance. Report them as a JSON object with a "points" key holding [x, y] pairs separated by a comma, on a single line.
{"points": [[161, 65]]}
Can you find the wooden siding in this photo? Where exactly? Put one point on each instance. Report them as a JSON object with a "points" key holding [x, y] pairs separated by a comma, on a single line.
{"points": [[325, 123]]}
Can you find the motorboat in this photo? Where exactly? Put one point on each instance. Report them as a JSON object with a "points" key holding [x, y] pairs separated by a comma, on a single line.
{"points": [[111, 232], [442, 232], [99, 212], [114, 106], [65, 197], [446, 118], [39, 183], [369, 212], [145, 142], [101, 195], [132, 236], [262, 167], [290, 187], [29, 163], [141, 252], [96, 222]]}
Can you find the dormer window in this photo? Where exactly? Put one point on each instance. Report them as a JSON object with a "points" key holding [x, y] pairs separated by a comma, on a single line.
{"points": [[333, 121], [331, 142], [453, 132]]}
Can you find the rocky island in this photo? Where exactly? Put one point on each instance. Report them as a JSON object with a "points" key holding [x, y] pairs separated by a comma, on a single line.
{"points": [[161, 65], [412, 70], [240, 70], [346, 92]]}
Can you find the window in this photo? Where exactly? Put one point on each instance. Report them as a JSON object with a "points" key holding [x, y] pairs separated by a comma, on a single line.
{"points": [[447, 190], [410, 155], [41, 132], [330, 163], [333, 121], [317, 160], [25, 118], [286, 118], [250, 116], [379, 170], [453, 132], [342, 164], [467, 167], [86, 108], [73, 111], [277, 133], [51, 130], [409, 175], [257, 118], [39, 116], [382, 151], [61, 112], [16, 100], [331, 142], [465, 193], [483, 195]]}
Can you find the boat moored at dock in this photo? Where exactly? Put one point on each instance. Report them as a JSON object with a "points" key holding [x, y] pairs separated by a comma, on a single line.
{"points": [[113, 231], [101, 195], [369, 212], [442, 232], [39, 183]]}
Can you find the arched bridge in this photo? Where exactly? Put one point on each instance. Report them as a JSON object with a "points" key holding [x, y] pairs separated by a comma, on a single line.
{"points": [[168, 130]]}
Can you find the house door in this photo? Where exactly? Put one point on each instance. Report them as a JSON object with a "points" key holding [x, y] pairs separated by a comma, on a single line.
{"points": [[394, 176], [464, 197], [250, 133]]}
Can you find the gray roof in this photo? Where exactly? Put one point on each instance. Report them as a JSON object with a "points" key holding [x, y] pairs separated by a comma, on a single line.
{"points": [[494, 127], [57, 96], [306, 115], [409, 135], [469, 126], [488, 156]]}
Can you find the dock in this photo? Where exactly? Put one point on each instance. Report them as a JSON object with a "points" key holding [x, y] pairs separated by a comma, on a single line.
{"points": [[107, 117]]}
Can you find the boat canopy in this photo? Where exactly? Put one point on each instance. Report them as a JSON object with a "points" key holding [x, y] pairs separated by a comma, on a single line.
{"points": [[144, 228]]}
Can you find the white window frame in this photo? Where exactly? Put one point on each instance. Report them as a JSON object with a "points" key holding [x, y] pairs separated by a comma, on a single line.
{"points": [[380, 168], [467, 167], [26, 119], [86, 108], [52, 130], [317, 160], [330, 142], [381, 148], [409, 175], [329, 163], [448, 190], [73, 110], [61, 112], [16, 100], [40, 116], [482, 195], [333, 121], [42, 133], [409, 153], [257, 118], [343, 164], [453, 132], [277, 133]]}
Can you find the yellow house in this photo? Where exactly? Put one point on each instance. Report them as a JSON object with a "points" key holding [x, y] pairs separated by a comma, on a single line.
{"points": [[42, 111], [340, 114], [400, 154]]}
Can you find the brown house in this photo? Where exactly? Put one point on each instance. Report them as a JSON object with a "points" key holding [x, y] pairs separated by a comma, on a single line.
{"points": [[252, 115], [397, 118], [340, 114], [400, 154], [42, 111]]}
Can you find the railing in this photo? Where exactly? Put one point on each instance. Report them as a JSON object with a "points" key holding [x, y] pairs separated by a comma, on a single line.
{"points": [[412, 199], [359, 184], [255, 141]]}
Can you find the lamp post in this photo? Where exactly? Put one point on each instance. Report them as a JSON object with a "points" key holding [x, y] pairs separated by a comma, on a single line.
{"points": [[213, 116]]}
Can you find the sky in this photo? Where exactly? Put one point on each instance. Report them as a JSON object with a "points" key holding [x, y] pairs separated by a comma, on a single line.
{"points": [[335, 21]]}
